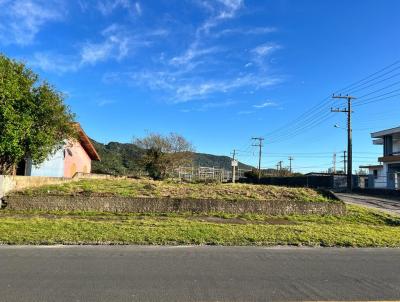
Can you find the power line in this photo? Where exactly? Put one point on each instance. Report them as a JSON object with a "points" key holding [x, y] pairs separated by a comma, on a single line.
{"points": [[354, 89], [308, 119], [366, 78], [378, 90]]}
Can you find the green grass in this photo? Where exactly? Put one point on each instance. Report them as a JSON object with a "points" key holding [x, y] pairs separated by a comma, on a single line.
{"points": [[169, 189], [361, 227]]}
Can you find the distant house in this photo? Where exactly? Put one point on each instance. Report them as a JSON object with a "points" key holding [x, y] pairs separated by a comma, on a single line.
{"points": [[387, 173], [75, 156]]}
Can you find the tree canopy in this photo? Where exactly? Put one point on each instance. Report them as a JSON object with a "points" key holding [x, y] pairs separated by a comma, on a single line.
{"points": [[164, 153], [34, 121]]}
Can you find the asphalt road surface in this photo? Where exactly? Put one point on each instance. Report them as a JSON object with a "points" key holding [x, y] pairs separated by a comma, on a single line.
{"points": [[390, 206], [131, 273]]}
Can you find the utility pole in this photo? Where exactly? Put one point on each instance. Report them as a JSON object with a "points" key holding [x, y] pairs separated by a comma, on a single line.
{"points": [[234, 163], [290, 164], [280, 165], [259, 145], [349, 137], [334, 163], [344, 162]]}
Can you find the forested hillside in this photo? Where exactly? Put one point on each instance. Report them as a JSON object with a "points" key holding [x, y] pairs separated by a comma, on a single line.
{"points": [[123, 159]]}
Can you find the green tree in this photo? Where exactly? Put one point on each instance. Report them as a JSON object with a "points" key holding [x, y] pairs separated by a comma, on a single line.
{"points": [[34, 121], [164, 153]]}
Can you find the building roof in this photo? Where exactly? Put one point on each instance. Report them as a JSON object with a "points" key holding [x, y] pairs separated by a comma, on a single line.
{"points": [[372, 167], [86, 143], [382, 133]]}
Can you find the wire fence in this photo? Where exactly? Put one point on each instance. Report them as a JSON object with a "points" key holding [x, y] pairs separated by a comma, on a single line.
{"points": [[389, 181], [207, 174]]}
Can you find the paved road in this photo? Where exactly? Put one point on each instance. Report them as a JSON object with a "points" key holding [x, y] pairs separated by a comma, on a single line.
{"points": [[130, 273], [388, 205]]}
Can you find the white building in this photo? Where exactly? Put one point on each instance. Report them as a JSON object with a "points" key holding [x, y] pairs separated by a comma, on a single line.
{"points": [[387, 173]]}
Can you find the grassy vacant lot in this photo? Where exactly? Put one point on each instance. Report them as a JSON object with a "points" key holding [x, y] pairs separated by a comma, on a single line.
{"points": [[359, 228], [150, 188]]}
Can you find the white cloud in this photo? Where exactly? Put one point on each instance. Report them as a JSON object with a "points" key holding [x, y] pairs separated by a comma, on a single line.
{"points": [[200, 90], [107, 7], [246, 31], [224, 9], [245, 112], [261, 52], [265, 104], [180, 88], [220, 11], [21, 20], [192, 53], [138, 8], [116, 45], [211, 105], [265, 49], [103, 103], [55, 63]]}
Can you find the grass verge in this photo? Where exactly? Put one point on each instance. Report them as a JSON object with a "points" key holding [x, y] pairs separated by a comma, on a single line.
{"points": [[170, 189], [361, 227]]}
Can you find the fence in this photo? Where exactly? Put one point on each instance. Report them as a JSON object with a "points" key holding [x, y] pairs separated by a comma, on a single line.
{"points": [[310, 181], [389, 181], [207, 174]]}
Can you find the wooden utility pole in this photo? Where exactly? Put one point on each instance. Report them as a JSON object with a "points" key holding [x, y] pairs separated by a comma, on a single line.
{"points": [[290, 164], [259, 145], [234, 163], [349, 137]]}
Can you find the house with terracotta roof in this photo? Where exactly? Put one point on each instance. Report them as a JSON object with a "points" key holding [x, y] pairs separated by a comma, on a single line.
{"points": [[75, 156]]}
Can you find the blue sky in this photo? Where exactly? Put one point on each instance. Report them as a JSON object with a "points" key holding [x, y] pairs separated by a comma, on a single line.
{"points": [[216, 71]]}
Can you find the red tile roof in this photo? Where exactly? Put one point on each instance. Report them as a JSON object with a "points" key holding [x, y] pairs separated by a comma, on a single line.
{"points": [[86, 143]]}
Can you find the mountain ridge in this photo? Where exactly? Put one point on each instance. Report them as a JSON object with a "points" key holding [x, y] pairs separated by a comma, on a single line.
{"points": [[123, 159]]}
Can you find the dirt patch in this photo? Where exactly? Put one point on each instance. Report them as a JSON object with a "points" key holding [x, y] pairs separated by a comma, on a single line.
{"points": [[273, 221]]}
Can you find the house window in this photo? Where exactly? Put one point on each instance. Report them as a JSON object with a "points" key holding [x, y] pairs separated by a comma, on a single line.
{"points": [[375, 172]]}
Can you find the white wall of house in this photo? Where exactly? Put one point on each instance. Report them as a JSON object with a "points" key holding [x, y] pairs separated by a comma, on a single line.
{"points": [[52, 167], [380, 181]]}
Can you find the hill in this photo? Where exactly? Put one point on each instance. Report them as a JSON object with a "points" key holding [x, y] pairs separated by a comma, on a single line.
{"points": [[123, 159]]}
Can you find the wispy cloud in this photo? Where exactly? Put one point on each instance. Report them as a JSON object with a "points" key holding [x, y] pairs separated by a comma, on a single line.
{"points": [[103, 103], [265, 104], [107, 7], [220, 11], [200, 90], [223, 9], [54, 63], [265, 49], [209, 106], [246, 31], [138, 8], [21, 20], [179, 88], [192, 53], [115, 45], [245, 112]]}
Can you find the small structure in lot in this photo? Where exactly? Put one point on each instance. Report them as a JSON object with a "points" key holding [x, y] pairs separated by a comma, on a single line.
{"points": [[387, 174], [74, 157]]}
